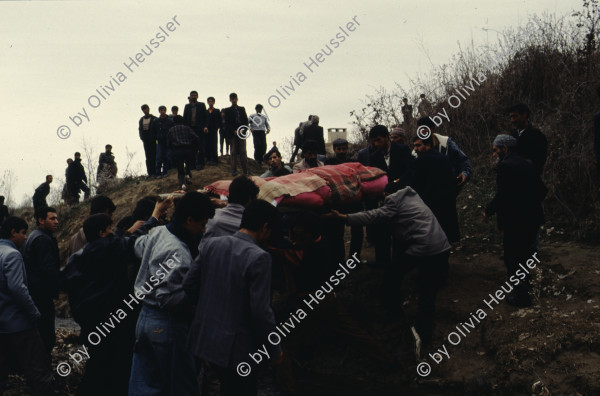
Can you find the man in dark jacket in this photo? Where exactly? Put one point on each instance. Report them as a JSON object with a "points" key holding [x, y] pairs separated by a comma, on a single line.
{"points": [[194, 116], [42, 262], [213, 123], [19, 335], [183, 143], [434, 182], [315, 132], [236, 117], [107, 167], [3, 209], [40, 194], [160, 129], [397, 161], [96, 279], [461, 166], [144, 128], [531, 143], [76, 180], [518, 204]]}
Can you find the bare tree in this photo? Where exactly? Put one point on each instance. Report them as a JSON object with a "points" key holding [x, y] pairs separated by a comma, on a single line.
{"points": [[7, 182]]}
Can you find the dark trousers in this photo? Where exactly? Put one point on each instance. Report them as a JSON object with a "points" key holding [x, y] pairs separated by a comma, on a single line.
{"points": [[27, 349], [162, 158], [518, 242], [201, 145], [232, 384], [211, 149], [183, 159], [432, 270], [46, 324], [150, 151], [224, 141], [238, 147], [294, 154], [382, 237], [109, 365], [259, 138]]}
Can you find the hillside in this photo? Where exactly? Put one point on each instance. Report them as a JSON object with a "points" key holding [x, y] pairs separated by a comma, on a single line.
{"points": [[557, 341]]}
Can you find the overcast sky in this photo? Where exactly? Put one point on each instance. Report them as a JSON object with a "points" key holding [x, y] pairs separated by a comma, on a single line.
{"points": [[54, 55]]}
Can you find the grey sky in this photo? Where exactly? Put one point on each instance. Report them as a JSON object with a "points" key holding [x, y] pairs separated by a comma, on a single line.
{"points": [[54, 55]]}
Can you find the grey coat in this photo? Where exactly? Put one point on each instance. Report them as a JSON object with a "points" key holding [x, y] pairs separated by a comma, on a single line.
{"points": [[231, 279], [17, 311], [413, 224]]}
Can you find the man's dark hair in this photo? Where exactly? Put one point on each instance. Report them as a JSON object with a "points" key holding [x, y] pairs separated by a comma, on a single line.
{"points": [[520, 108], [377, 131], [162, 107], [405, 99], [195, 205], [193, 92], [144, 208], [42, 213], [426, 142], [174, 108], [422, 96], [393, 187], [259, 212], [427, 122], [145, 106], [12, 223], [232, 95], [94, 224], [310, 145], [101, 203], [241, 190], [273, 150], [339, 143], [108, 146], [77, 154], [47, 176], [309, 117], [258, 107], [210, 98]]}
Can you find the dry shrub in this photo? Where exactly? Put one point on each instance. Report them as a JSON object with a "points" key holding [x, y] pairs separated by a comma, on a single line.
{"points": [[552, 64]]}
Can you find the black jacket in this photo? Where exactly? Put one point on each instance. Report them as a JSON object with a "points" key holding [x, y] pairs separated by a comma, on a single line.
{"points": [[76, 173], [519, 196], [145, 135], [40, 194], [96, 277], [435, 183], [42, 264], [200, 115], [532, 145], [231, 124], [213, 120], [315, 132], [401, 161], [160, 128]]}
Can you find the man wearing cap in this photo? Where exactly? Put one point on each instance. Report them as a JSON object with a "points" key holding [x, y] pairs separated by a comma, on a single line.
{"points": [[518, 204], [531, 142], [398, 135], [461, 166]]}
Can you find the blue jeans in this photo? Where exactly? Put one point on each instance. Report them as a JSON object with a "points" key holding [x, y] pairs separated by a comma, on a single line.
{"points": [[162, 158], [162, 363]]}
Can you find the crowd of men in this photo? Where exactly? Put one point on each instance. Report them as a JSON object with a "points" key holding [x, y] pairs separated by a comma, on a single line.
{"points": [[191, 141], [161, 300]]}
